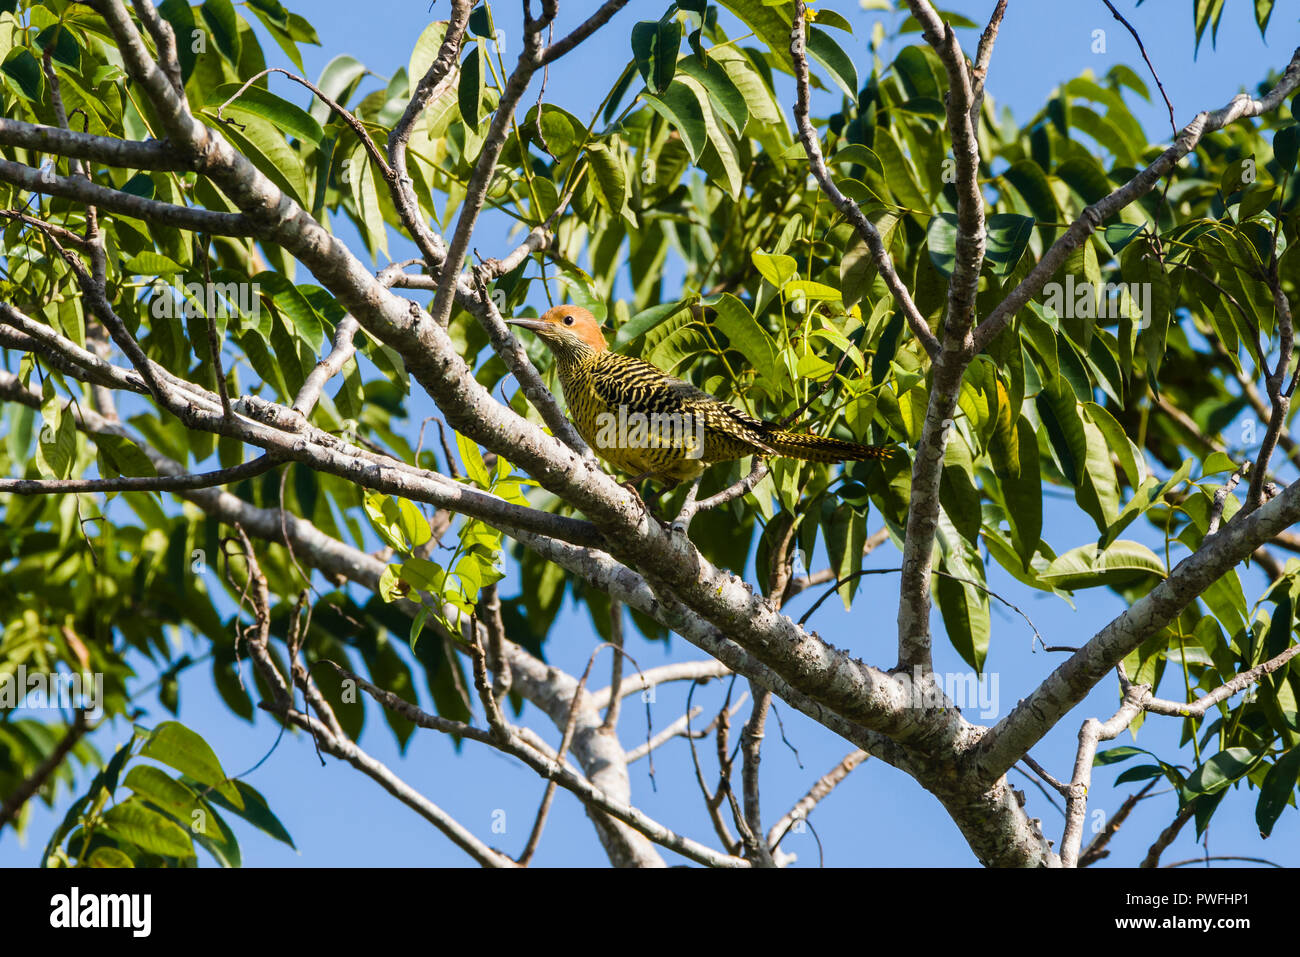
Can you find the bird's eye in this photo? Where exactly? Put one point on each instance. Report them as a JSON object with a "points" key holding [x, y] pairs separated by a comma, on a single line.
{"points": [[568, 320]]}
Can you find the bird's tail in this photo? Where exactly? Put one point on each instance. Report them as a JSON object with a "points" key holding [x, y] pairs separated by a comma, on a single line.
{"points": [[819, 448]]}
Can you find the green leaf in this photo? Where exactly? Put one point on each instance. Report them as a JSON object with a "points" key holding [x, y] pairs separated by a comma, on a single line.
{"points": [[1221, 770], [417, 625], [941, 240], [1098, 494], [643, 322], [178, 747], [759, 98], [1022, 490], [1238, 175], [338, 80], [720, 156], [751, 340], [211, 832], [1088, 566], [1263, 11], [1085, 176], [1286, 147], [109, 857], [1008, 236], [562, 130], [22, 68], [424, 575], [913, 69], [480, 22], [415, 527], [57, 446], [776, 269], [148, 830], [365, 197], [824, 49], [679, 105], [829, 18], [265, 146], [472, 85], [426, 50], [771, 24], [858, 155], [223, 25], [846, 534], [1121, 446], [1029, 180], [1276, 790], [963, 605], [1147, 493], [252, 807], [386, 518], [1141, 772], [280, 25], [118, 455], [727, 100], [181, 17], [473, 459], [1059, 412], [285, 116], [807, 289], [1114, 755], [655, 45], [157, 786], [1227, 602], [610, 180], [1203, 13], [303, 320], [957, 492]]}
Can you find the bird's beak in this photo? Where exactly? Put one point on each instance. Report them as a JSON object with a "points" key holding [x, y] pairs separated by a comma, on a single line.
{"points": [[536, 325]]}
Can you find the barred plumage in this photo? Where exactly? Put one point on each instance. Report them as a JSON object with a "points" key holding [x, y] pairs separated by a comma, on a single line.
{"points": [[646, 422]]}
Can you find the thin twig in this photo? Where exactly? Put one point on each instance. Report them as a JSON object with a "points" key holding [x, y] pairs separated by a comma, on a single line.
{"points": [[1173, 123]]}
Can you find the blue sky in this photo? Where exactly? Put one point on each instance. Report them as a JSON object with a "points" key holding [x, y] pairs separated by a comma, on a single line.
{"points": [[878, 816]]}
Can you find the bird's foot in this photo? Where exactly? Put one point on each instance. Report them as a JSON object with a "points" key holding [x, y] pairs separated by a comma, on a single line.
{"points": [[650, 500]]}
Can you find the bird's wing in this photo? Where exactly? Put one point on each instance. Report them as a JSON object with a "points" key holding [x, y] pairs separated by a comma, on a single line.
{"points": [[637, 381], [640, 385]]}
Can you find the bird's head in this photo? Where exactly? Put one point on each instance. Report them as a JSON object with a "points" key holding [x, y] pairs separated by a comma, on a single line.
{"points": [[566, 329]]}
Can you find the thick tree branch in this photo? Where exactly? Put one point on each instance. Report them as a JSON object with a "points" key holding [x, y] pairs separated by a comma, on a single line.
{"points": [[1034, 716], [115, 201], [156, 155]]}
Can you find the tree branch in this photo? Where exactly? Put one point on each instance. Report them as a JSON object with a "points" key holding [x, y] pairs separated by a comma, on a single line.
{"points": [[850, 209], [1092, 733], [1242, 106], [1068, 684], [82, 190]]}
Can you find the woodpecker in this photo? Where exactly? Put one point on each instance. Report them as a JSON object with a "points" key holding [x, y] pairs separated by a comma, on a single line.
{"points": [[650, 424]]}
